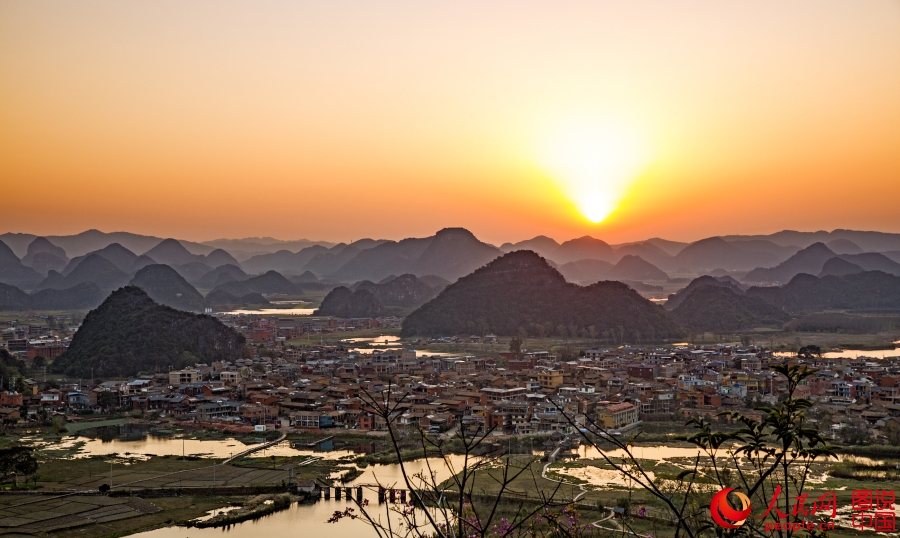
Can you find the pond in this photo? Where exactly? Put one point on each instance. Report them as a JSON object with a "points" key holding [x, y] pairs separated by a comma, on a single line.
{"points": [[311, 519]]}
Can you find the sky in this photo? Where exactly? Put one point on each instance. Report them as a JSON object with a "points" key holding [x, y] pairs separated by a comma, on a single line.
{"points": [[336, 120]]}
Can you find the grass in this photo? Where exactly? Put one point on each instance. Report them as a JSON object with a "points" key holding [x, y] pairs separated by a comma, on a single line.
{"points": [[174, 510]]}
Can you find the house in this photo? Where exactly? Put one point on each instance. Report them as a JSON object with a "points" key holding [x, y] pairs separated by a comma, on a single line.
{"points": [[78, 399], [312, 419], [179, 377], [617, 415], [9, 398], [550, 379]]}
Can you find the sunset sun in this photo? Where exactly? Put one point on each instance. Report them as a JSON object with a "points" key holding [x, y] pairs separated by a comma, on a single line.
{"points": [[594, 165]]}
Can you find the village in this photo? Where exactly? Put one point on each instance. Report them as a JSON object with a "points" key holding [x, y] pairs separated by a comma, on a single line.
{"points": [[302, 374]]}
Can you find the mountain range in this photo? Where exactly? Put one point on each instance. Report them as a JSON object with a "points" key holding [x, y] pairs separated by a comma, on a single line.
{"points": [[36, 263], [393, 295]]}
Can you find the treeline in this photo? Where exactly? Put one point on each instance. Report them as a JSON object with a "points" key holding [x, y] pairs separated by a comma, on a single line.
{"points": [[843, 323]]}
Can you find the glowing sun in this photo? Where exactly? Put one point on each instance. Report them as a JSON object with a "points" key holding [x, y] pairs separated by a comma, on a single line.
{"points": [[594, 165]]}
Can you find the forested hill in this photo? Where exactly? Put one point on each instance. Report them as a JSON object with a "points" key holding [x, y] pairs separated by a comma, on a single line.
{"points": [[520, 291], [130, 333]]}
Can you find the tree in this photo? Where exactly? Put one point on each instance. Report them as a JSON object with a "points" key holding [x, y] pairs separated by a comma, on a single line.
{"points": [[17, 461], [107, 400], [810, 352], [515, 346]]}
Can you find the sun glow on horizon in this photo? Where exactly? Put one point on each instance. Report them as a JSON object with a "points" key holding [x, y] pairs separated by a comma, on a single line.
{"points": [[594, 165]]}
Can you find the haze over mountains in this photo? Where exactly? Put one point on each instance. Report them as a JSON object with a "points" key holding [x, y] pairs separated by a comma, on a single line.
{"points": [[245, 271]]}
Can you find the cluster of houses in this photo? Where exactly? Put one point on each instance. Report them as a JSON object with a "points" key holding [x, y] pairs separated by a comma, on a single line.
{"points": [[529, 392]]}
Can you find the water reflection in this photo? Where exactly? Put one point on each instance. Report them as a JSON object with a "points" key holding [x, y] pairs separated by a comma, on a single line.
{"points": [[310, 519], [151, 445], [380, 339], [853, 353], [275, 312]]}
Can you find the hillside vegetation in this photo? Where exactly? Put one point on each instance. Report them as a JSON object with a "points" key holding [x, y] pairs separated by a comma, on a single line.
{"points": [[130, 333], [521, 292]]}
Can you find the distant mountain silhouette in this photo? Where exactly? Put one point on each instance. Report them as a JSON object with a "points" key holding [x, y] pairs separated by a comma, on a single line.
{"points": [[172, 252], [13, 272], [721, 309], [714, 253], [44, 262], [327, 263], [646, 251], [844, 246], [583, 271], [167, 287], [583, 248], [79, 297], [192, 271], [672, 248], [140, 262], [636, 268], [866, 291], [120, 256], [392, 257], [268, 283], [874, 261], [452, 253], [220, 275], [839, 267], [679, 297], [283, 261], [402, 292], [93, 268], [220, 257], [252, 246], [631, 268], [542, 245], [307, 276], [809, 260], [867, 240], [42, 256], [520, 290], [92, 240], [129, 333]]}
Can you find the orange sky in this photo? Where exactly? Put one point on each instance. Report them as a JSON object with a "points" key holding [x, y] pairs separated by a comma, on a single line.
{"points": [[337, 120]]}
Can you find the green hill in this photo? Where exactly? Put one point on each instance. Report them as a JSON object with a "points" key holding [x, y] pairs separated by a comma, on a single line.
{"points": [[520, 290], [867, 291], [130, 333], [344, 303], [721, 309]]}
